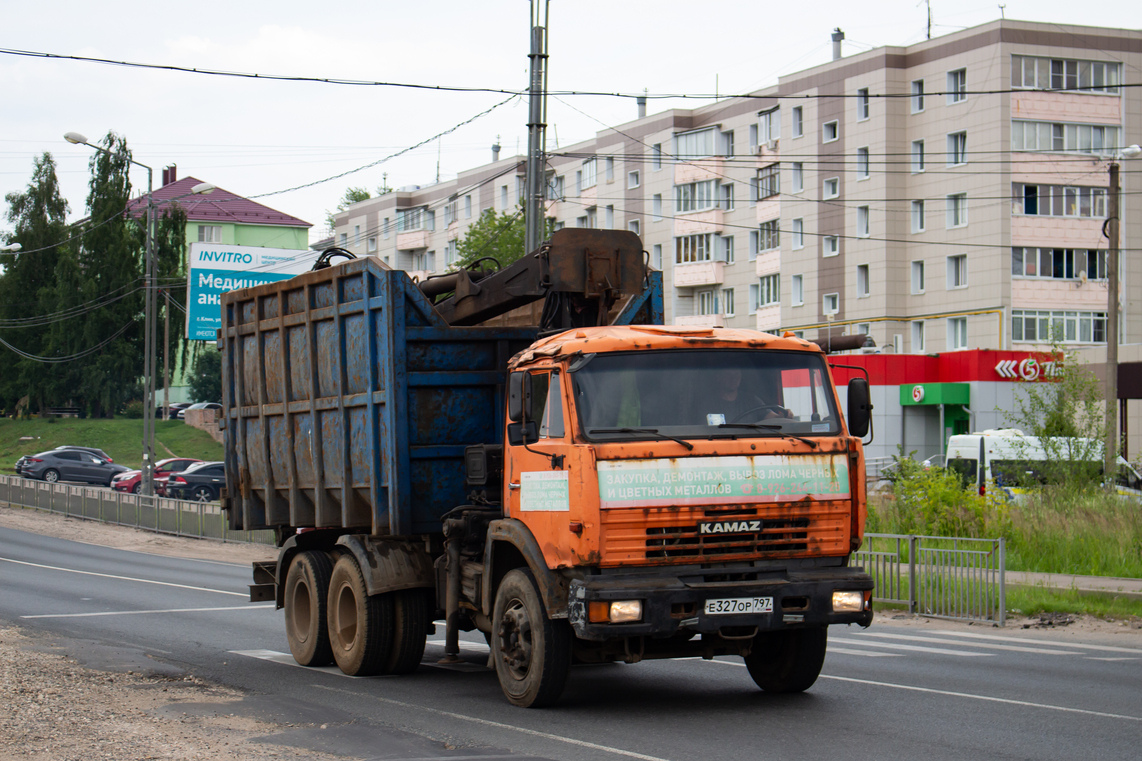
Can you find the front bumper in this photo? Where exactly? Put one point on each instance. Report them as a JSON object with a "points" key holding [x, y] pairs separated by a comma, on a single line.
{"points": [[675, 604]]}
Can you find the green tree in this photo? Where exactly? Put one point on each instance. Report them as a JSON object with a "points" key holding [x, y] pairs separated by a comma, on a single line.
{"points": [[170, 275], [38, 216], [352, 196], [206, 375], [500, 236]]}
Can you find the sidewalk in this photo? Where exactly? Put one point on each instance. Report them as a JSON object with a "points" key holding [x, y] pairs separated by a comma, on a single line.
{"points": [[1092, 585]]}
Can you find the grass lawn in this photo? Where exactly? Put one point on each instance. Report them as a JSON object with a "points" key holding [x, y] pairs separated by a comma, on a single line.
{"points": [[121, 438]]}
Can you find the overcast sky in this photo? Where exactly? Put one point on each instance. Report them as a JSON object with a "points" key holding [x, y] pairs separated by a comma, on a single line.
{"points": [[256, 137]]}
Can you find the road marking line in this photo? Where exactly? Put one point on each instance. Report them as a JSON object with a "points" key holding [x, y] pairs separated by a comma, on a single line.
{"points": [[1110, 660], [915, 648], [143, 612], [1028, 640], [986, 698], [846, 651], [125, 578], [938, 641]]}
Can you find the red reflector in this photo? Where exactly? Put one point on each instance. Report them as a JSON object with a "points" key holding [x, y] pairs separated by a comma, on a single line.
{"points": [[983, 490]]}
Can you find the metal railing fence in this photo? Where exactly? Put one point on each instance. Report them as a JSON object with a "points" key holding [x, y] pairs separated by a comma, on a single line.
{"points": [[938, 576], [166, 516]]}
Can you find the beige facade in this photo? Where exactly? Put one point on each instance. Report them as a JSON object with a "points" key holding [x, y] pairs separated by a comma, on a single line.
{"points": [[945, 195]]}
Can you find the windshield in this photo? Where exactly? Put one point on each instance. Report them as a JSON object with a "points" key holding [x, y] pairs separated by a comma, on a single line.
{"points": [[703, 393]]}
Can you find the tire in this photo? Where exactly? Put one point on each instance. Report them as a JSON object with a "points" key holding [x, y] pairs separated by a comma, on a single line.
{"points": [[409, 624], [51, 475], [306, 596], [137, 488], [360, 626], [203, 494], [789, 660], [532, 652]]}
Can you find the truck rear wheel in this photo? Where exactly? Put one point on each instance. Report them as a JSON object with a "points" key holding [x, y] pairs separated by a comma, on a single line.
{"points": [[306, 591], [409, 625], [789, 660], [532, 652], [360, 628]]}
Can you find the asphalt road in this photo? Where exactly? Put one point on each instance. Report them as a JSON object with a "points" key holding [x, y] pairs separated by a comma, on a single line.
{"points": [[939, 692]]}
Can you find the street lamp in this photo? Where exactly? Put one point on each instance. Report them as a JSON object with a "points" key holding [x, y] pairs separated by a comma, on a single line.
{"points": [[11, 248], [1110, 446]]}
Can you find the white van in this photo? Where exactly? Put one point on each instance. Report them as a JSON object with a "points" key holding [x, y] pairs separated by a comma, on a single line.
{"points": [[1011, 460]]}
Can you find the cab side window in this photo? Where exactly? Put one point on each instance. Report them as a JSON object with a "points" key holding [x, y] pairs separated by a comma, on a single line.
{"points": [[551, 426]]}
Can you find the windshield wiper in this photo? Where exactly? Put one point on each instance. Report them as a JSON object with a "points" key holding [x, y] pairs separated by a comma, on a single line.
{"points": [[654, 431], [770, 427]]}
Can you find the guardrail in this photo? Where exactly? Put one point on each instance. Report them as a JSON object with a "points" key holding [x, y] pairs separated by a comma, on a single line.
{"points": [[166, 516], [938, 576]]}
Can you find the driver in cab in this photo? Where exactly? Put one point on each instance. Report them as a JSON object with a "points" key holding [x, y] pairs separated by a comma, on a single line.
{"points": [[730, 402]]}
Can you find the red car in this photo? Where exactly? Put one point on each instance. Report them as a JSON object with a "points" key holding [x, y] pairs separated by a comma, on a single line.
{"points": [[132, 480]]}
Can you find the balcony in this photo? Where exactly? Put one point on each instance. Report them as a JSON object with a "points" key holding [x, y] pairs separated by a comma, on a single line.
{"points": [[699, 170], [412, 240], [699, 222], [699, 274], [702, 321]]}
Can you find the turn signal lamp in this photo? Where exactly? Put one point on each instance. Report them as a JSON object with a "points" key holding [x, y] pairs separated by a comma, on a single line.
{"points": [[616, 612]]}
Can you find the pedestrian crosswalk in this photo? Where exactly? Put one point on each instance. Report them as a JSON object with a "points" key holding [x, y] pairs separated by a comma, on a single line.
{"points": [[879, 643]]}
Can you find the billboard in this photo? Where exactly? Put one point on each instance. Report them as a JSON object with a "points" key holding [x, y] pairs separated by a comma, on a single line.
{"points": [[215, 268]]}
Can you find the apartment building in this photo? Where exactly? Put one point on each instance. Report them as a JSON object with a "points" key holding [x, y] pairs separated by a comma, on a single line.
{"points": [[943, 196]]}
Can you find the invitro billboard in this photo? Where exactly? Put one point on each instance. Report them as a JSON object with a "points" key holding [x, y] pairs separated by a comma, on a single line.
{"points": [[215, 268]]}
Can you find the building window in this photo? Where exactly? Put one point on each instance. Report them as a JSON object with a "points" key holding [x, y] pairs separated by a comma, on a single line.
{"points": [[958, 271], [768, 181], [610, 168], [957, 333], [371, 245], [412, 219], [831, 303], [832, 187], [590, 170], [692, 248], [797, 290], [1058, 263], [592, 217], [728, 302], [356, 235], [957, 210], [632, 180], [862, 281], [707, 302], [769, 124], [1057, 200], [726, 196], [862, 164], [830, 245], [213, 234], [753, 133], [918, 337], [695, 145], [468, 201], [634, 227], [917, 276], [344, 239], [726, 143], [1033, 73], [917, 216], [754, 244], [863, 224], [695, 196], [609, 217], [917, 95], [798, 176], [798, 234], [725, 253], [1057, 136], [656, 256], [957, 86], [830, 132], [1043, 326], [656, 156], [769, 290], [917, 156], [798, 121], [957, 148], [504, 194], [656, 208], [770, 235], [862, 104]]}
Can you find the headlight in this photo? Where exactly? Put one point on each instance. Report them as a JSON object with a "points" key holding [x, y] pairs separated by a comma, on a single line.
{"points": [[848, 602], [617, 612]]}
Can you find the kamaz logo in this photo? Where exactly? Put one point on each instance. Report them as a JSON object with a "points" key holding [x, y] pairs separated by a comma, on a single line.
{"points": [[729, 527]]}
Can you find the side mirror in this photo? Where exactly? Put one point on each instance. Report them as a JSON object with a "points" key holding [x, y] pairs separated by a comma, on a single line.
{"points": [[860, 407], [519, 389], [523, 433]]}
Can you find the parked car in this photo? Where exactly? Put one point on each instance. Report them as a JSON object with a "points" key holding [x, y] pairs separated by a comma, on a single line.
{"points": [[201, 482], [132, 480], [174, 410], [199, 406], [68, 465], [91, 450]]}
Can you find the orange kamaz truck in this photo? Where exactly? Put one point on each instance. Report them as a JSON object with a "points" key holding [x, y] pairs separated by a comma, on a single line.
{"points": [[596, 487]]}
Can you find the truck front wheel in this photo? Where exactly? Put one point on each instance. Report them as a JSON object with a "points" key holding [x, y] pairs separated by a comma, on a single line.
{"points": [[306, 590], [360, 626], [789, 660], [532, 652]]}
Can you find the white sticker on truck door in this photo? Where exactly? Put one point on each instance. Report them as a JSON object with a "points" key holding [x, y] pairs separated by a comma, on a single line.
{"points": [[545, 491]]}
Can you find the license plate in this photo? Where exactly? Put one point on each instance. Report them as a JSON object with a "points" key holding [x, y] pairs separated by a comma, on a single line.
{"points": [[734, 605]]}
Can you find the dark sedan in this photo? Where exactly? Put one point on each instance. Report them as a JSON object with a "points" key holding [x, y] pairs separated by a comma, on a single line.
{"points": [[201, 482], [68, 465]]}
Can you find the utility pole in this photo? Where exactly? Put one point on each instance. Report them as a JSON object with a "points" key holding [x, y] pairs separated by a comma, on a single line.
{"points": [[535, 208], [1110, 447], [166, 357]]}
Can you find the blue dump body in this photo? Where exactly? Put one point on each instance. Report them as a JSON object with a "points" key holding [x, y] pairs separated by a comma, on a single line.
{"points": [[348, 400]]}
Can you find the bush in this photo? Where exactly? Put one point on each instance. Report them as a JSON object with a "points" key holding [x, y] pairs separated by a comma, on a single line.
{"points": [[133, 410]]}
